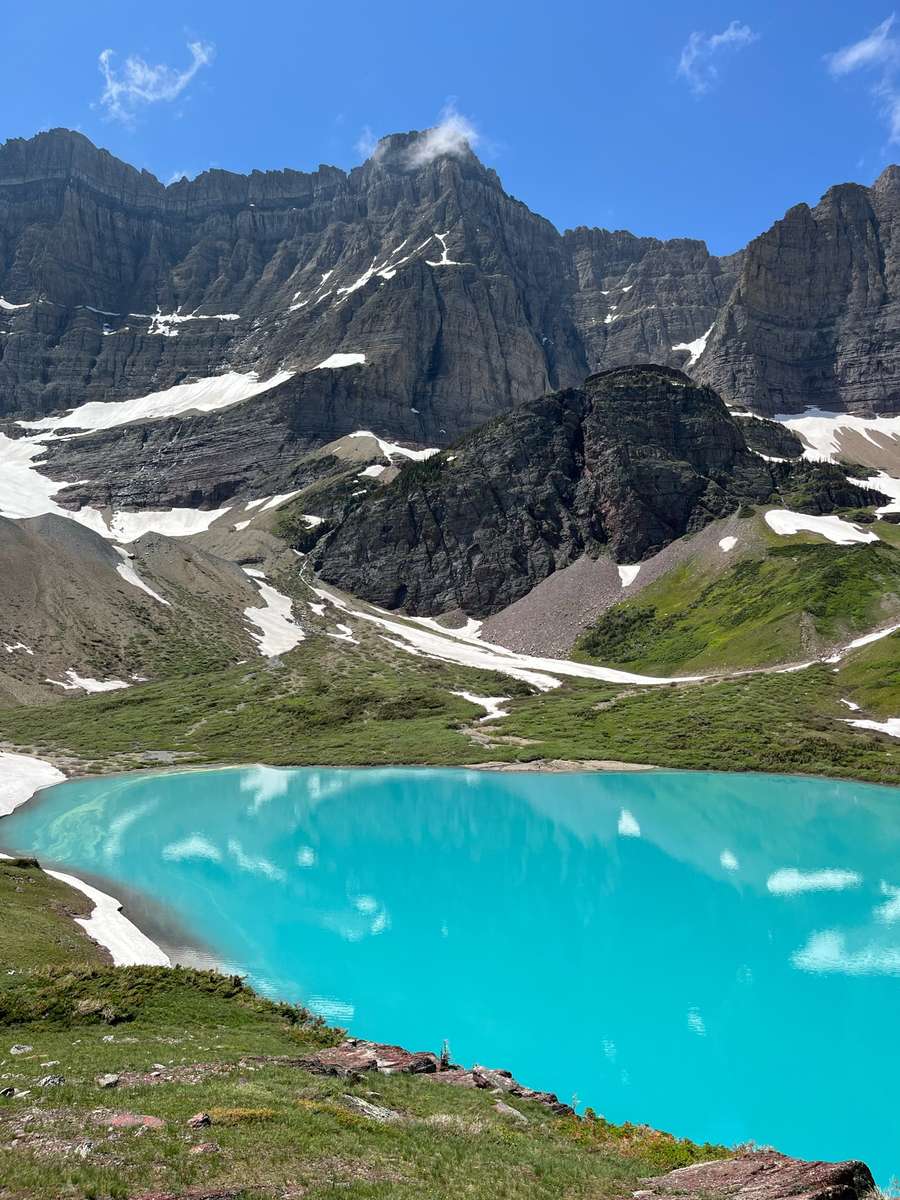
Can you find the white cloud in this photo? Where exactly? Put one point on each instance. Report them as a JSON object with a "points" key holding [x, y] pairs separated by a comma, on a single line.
{"points": [[698, 62], [137, 83], [791, 882], [876, 48], [877, 51], [628, 825], [366, 143], [828, 952], [454, 134]]}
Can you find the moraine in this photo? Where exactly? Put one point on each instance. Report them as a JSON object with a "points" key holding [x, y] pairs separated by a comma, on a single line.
{"points": [[673, 948]]}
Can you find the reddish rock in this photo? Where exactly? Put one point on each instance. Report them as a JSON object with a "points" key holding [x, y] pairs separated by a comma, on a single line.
{"points": [[205, 1148], [356, 1056], [764, 1175], [133, 1121], [199, 1120]]}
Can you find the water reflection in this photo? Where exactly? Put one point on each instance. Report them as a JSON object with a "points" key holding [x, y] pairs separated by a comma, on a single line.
{"points": [[671, 947]]}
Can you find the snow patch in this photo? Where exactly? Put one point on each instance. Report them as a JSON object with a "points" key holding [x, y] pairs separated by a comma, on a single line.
{"points": [[696, 347], [173, 522], [164, 324], [8, 306], [628, 574], [334, 361], [891, 726], [849, 704], [130, 575], [820, 430], [278, 632], [837, 530], [492, 705], [445, 260], [108, 926], [204, 395], [373, 471], [12, 647], [277, 501], [80, 683], [388, 449], [462, 646], [727, 544], [21, 776]]}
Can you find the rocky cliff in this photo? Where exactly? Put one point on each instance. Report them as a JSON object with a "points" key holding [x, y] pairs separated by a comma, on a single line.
{"points": [[633, 460], [451, 300], [814, 318]]}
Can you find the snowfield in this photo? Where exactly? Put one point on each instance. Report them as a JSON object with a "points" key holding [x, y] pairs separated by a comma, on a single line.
{"points": [[837, 530], [204, 395]]}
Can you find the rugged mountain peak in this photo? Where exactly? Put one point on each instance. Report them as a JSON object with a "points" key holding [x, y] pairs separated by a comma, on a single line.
{"points": [[629, 462]]}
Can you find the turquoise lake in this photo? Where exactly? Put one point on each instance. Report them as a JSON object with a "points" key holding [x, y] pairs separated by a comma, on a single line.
{"points": [[715, 955]]}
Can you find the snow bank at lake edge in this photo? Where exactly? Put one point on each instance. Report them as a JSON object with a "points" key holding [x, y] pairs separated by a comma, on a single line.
{"points": [[21, 777]]}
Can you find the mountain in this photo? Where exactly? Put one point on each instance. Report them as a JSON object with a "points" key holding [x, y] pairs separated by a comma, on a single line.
{"points": [[436, 300], [638, 457], [814, 317]]}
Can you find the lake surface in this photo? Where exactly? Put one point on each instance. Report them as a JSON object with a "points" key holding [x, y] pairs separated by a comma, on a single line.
{"points": [[714, 955]]}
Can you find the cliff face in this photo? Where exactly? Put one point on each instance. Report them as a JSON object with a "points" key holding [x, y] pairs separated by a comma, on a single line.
{"points": [[462, 300], [633, 460], [814, 318]]}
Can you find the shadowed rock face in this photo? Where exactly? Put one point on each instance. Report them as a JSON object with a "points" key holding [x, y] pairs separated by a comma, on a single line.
{"points": [[630, 462]]}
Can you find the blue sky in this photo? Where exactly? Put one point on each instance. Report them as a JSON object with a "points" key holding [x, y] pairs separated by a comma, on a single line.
{"points": [[696, 119]]}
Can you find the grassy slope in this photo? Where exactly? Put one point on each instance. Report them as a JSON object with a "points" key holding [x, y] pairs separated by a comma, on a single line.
{"points": [[787, 604], [333, 704], [276, 1129]]}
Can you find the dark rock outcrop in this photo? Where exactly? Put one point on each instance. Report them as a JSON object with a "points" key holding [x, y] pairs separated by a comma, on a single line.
{"points": [[763, 1175], [633, 460]]}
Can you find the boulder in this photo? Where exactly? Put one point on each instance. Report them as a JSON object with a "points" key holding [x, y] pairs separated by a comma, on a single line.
{"points": [[763, 1175]]}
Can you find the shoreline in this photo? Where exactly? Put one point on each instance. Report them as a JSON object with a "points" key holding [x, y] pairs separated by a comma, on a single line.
{"points": [[106, 924], [128, 945]]}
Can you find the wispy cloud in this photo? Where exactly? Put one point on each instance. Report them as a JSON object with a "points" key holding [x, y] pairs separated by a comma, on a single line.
{"points": [[366, 143], [137, 83], [453, 134], [879, 53], [875, 48], [698, 65]]}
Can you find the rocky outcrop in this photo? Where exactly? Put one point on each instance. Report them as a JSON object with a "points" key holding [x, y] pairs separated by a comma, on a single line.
{"points": [[355, 1057], [814, 318], [763, 1175], [633, 460]]}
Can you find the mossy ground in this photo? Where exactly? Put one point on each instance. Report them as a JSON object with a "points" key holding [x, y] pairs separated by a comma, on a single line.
{"points": [[276, 1129], [782, 605]]}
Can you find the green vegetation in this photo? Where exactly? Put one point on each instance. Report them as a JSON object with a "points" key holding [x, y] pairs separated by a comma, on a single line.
{"points": [[787, 724], [184, 1041], [43, 932], [334, 705], [797, 600], [870, 677]]}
